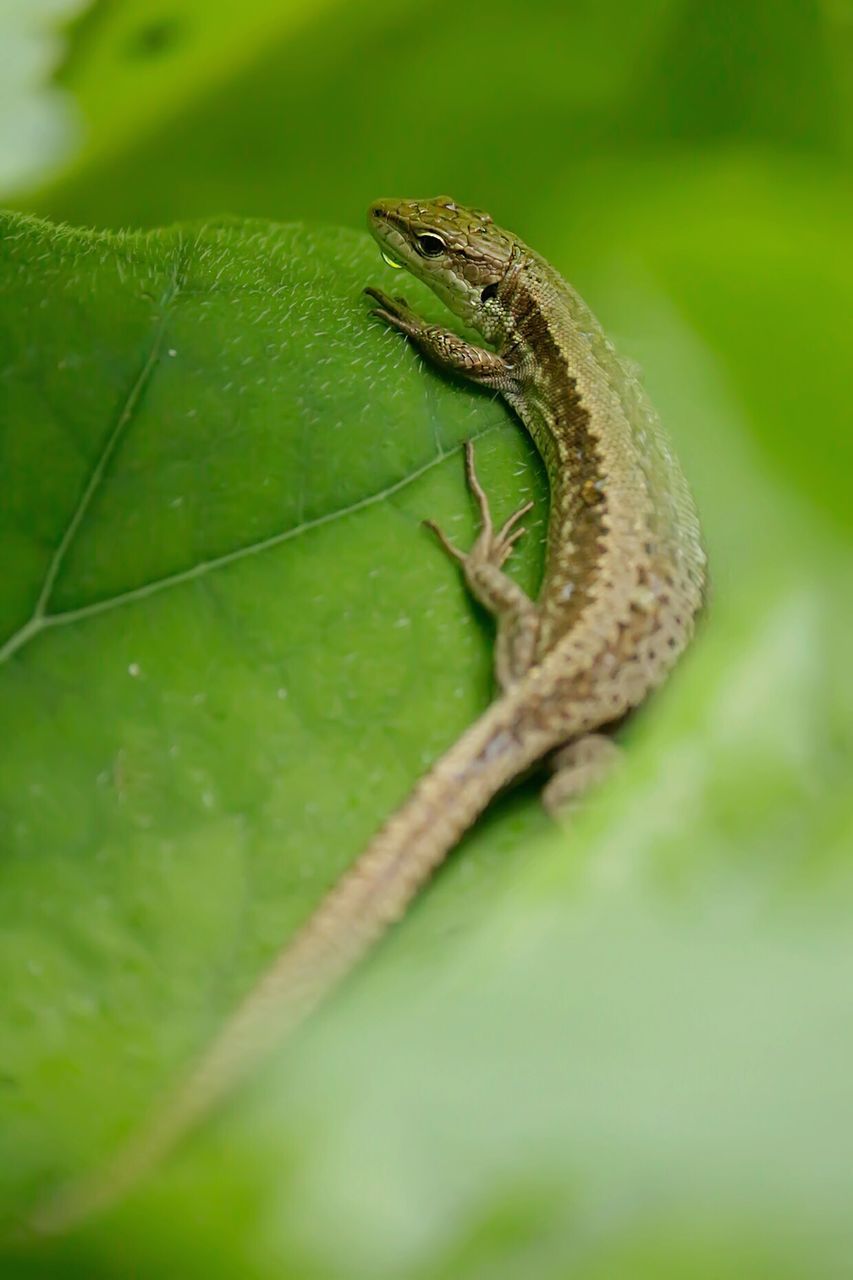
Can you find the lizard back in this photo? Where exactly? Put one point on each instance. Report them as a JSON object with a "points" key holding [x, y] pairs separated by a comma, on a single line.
{"points": [[625, 567]]}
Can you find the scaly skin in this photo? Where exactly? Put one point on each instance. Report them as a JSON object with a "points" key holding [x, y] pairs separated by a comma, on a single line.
{"points": [[623, 583]]}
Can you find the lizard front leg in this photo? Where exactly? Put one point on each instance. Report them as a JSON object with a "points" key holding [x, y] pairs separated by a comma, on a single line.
{"points": [[442, 346]]}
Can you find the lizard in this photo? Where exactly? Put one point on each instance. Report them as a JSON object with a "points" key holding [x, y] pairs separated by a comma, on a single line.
{"points": [[623, 584]]}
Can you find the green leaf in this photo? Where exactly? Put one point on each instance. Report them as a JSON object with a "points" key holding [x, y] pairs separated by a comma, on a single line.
{"points": [[623, 1050], [620, 1051], [226, 635]]}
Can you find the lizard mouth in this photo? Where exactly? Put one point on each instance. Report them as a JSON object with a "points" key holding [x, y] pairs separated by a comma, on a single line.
{"points": [[382, 224]]}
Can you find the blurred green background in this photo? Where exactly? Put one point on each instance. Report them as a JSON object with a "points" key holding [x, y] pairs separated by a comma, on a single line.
{"points": [[624, 1050], [604, 132]]}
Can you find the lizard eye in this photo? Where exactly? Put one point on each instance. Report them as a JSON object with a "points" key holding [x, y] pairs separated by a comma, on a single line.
{"points": [[430, 245]]}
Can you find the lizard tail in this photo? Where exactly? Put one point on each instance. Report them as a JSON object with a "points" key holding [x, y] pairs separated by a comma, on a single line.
{"points": [[369, 897]]}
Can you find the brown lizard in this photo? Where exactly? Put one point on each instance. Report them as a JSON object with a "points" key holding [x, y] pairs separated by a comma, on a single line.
{"points": [[623, 584]]}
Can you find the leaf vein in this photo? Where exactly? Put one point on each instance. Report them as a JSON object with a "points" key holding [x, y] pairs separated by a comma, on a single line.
{"points": [[47, 621], [123, 420]]}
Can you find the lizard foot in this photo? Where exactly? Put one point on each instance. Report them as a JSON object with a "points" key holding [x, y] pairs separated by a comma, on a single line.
{"points": [[493, 547], [515, 613], [578, 768], [395, 311]]}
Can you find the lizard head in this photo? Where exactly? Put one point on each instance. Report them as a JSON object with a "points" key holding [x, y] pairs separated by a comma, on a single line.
{"points": [[458, 252]]}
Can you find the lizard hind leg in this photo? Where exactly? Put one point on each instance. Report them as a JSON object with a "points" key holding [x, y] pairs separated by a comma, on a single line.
{"points": [[578, 768], [515, 613]]}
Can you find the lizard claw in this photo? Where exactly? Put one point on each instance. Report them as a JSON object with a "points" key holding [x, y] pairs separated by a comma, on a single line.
{"points": [[397, 306], [451, 550], [394, 311], [490, 547]]}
